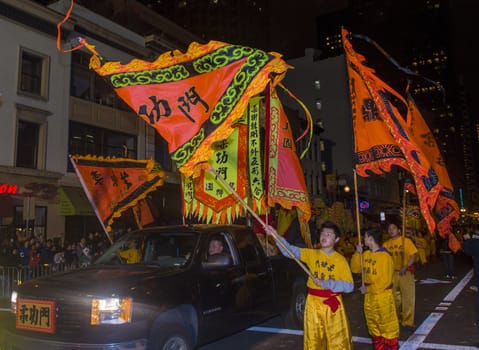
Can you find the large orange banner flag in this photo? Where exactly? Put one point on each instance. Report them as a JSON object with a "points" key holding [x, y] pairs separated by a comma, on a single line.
{"points": [[192, 99], [384, 136], [113, 185]]}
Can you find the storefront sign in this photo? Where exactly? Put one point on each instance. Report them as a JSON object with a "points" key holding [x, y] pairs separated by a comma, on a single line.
{"points": [[8, 189]]}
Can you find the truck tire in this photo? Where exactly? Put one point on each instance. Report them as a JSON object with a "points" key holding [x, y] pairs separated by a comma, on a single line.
{"points": [[171, 337], [293, 318]]}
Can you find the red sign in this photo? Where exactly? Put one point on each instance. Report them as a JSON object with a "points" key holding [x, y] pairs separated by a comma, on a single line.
{"points": [[8, 189]]}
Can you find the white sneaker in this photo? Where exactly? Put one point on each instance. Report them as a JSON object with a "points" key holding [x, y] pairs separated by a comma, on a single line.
{"points": [[474, 288]]}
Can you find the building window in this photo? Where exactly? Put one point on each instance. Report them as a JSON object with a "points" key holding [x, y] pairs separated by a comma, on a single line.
{"points": [[88, 85], [91, 140], [33, 74], [27, 144], [162, 155], [31, 137]]}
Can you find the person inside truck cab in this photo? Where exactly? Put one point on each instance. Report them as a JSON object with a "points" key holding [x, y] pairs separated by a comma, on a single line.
{"points": [[216, 249], [132, 254], [216, 246]]}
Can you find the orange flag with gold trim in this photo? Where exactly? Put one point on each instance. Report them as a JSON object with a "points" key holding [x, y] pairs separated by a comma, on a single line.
{"points": [[445, 207], [192, 99], [113, 185], [386, 136]]}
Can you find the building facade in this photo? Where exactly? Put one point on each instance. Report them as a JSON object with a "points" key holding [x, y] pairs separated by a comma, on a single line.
{"points": [[52, 105]]}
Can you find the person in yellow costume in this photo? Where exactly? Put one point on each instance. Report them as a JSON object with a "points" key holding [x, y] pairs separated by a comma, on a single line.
{"points": [[404, 254], [346, 246], [132, 255], [422, 247], [326, 325], [379, 309]]}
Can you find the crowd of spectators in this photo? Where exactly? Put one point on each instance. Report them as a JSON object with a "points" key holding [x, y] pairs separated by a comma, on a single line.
{"points": [[35, 251]]}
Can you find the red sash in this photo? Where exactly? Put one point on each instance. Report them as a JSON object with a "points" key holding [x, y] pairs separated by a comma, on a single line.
{"points": [[331, 300]]}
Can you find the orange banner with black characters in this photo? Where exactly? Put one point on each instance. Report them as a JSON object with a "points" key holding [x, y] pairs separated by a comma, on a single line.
{"points": [[445, 207], [192, 99], [375, 148], [113, 185], [391, 133]]}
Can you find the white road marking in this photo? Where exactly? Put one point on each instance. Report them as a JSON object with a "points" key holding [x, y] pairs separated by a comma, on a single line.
{"points": [[276, 330], [433, 281], [360, 339], [460, 286], [416, 339], [441, 308]]}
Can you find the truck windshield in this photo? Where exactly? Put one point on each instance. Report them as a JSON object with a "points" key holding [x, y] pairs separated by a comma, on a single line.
{"points": [[166, 249]]}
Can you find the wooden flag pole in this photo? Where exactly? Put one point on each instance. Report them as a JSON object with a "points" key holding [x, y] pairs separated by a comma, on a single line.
{"points": [[256, 216], [358, 224], [403, 234]]}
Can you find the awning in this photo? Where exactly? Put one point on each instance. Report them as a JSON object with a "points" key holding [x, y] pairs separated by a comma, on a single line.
{"points": [[73, 201]]}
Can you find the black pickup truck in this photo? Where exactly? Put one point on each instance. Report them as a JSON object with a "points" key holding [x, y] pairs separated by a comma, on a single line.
{"points": [[175, 297]]}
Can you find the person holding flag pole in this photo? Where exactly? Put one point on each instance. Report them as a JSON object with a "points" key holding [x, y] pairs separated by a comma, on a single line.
{"points": [[379, 307], [326, 325], [404, 254], [358, 226]]}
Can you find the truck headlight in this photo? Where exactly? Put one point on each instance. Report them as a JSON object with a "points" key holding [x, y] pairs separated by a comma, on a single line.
{"points": [[110, 311]]}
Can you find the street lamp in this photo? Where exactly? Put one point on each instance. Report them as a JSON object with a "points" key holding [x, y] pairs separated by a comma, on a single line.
{"points": [[343, 190]]}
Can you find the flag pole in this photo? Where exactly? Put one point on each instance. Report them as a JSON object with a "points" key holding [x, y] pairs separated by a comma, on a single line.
{"points": [[358, 224], [403, 236], [256, 216], [90, 199]]}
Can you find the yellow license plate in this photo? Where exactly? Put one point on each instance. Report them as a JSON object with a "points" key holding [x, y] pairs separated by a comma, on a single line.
{"points": [[36, 315]]}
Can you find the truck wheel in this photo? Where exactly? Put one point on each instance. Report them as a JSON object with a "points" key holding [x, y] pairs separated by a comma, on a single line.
{"points": [[171, 337], [294, 317]]}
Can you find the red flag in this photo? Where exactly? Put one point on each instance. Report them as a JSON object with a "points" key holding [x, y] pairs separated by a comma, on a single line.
{"points": [[113, 185], [192, 99], [286, 183]]}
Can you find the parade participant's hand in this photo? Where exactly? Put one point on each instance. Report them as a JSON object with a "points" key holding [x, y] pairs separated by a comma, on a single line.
{"points": [[359, 248], [317, 281], [363, 289]]}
